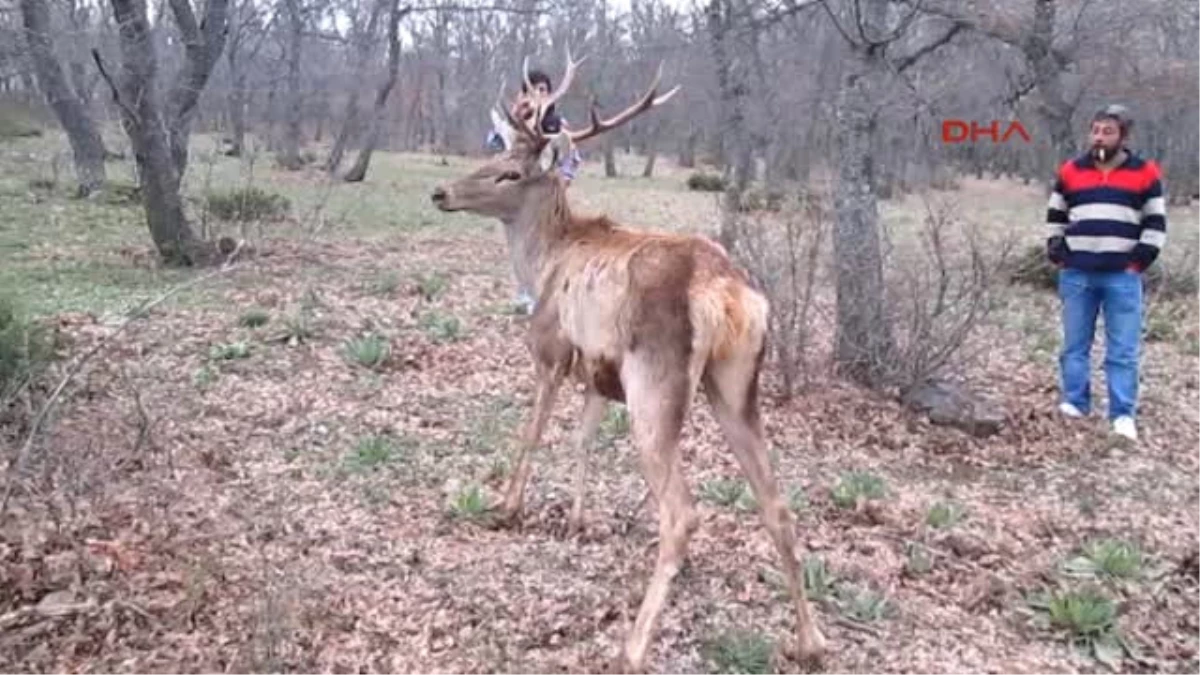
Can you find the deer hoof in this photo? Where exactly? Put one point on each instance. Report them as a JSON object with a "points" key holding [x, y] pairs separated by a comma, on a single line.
{"points": [[810, 649]]}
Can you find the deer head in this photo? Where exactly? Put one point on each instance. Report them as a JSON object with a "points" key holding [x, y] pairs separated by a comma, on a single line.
{"points": [[526, 171]]}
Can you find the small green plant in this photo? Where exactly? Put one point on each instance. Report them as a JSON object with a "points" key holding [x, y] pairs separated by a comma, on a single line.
{"points": [[204, 376], [372, 452], [943, 515], [866, 605], [469, 503], [369, 351], [26, 348], [616, 423], [384, 283], [857, 486], [297, 328], [1078, 613], [918, 560], [1163, 322], [1111, 558], [1085, 618], [797, 499], [254, 318], [431, 286], [705, 182], [739, 651], [727, 492], [247, 204], [441, 327], [819, 581], [229, 351]]}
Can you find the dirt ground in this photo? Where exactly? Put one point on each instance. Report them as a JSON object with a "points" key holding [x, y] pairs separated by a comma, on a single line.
{"points": [[214, 496]]}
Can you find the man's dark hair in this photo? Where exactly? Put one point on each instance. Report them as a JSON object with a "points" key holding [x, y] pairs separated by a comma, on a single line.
{"points": [[537, 77], [551, 122], [1117, 113]]}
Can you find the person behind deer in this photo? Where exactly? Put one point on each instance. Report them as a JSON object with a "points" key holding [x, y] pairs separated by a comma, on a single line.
{"points": [[1108, 223], [551, 123]]}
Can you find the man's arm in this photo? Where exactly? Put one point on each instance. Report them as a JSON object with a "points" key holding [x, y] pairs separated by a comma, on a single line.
{"points": [[1056, 221], [1154, 223]]}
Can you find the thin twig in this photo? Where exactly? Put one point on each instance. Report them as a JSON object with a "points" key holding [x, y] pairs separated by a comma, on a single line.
{"points": [[113, 86], [13, 468]]}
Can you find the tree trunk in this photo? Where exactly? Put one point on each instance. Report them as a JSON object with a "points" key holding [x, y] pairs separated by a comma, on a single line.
{"points": [[610, 158], [687, 153], [1047, 73], [148, 134], [203, 43], [735, 138], [864, 336], [351, 117], [290, 155], [87, 148], [237, 116], [648, 169], [358, 172]]}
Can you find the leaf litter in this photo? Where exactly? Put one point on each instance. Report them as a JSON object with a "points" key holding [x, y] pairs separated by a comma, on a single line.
{"points": [[234, 538]]}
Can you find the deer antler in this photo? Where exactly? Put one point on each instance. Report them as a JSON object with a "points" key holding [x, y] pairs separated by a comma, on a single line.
{"points": [[542, 105], [519, 126], [648, 101]]}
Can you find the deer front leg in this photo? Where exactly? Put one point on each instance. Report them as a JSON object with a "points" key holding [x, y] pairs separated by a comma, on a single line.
{"points": [[549, 381], [593, 413]]}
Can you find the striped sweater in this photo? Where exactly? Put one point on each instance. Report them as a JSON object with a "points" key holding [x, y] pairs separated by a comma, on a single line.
{"points": [[1111, 220]]}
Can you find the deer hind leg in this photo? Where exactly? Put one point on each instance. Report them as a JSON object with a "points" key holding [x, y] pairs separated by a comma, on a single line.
{"points": [[589, 424], [549, 380], [657, 403], [731, 387]]}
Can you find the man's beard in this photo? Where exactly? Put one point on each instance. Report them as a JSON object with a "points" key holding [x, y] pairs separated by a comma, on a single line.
{"points": [[1102, 154]]}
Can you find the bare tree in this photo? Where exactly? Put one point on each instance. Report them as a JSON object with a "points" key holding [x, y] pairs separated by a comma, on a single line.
{"points": [[359, 171], [86, 145], [351, 117], [864, 342], [159, 137], [289, 156]]}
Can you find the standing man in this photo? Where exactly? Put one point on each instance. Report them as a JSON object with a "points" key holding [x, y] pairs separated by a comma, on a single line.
{"points": [[1107, 219]]}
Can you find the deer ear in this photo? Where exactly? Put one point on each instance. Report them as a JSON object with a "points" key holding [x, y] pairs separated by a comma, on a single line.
{"points": [[548, 158]]}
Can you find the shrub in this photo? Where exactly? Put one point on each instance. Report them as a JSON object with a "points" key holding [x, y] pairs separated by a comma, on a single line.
{"points": [[700, 181], [247, 204], [25, 349]]}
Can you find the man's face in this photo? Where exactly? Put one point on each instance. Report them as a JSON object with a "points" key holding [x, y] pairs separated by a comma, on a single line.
{"points": [[1105, 138]]}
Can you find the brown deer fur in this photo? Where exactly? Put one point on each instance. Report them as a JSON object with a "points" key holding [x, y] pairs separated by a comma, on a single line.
{"points": [[643, 318]]}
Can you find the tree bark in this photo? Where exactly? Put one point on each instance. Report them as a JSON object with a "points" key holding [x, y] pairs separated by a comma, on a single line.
{"points": [[156, 139], [202, 47], [351, 117], [289, 157], [735, 144], [87, 148], [358, 172], [864, 337]]}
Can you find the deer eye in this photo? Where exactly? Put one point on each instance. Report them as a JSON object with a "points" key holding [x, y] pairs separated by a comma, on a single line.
{"points": [[508, 175]]}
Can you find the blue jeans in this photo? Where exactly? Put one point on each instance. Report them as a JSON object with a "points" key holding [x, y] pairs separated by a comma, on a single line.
{"points": [[1084, 295]]}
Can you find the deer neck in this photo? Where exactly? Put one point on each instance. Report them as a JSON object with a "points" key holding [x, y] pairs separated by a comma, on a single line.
{"points": [[536, 232]]}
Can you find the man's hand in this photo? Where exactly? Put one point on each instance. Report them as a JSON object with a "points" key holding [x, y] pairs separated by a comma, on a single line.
{"points": [[1143, 257], [1056, 250]]}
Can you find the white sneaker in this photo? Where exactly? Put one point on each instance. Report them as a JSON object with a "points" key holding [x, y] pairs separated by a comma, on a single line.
{"points": [[1124, 426], [1069, 410]]}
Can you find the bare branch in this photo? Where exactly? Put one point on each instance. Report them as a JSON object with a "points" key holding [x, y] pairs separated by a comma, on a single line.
{"points": [[907, 62]]}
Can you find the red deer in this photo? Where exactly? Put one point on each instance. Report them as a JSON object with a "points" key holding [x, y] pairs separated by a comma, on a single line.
{"points": [[638, 317]]}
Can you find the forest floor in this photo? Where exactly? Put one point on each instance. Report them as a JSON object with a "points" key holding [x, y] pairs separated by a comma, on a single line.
{"points": [[287, 467]]}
